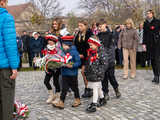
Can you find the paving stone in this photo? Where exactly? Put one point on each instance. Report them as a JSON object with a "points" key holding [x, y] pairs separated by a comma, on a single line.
{"points": [[139, 101]]}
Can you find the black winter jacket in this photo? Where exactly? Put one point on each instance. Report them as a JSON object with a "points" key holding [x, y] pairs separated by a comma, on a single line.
{"points": [[25, 40], [107, 40], [82, 45], [95, 71], [151, 37]]}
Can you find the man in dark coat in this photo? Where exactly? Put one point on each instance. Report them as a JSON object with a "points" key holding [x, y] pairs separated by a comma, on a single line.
{"points": [[151, 41], [25, 39]]}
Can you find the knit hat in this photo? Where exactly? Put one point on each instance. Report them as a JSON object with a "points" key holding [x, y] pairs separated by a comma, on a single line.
{"points": [[94, 41], [51, 37], [34, 33], [68, 40]]}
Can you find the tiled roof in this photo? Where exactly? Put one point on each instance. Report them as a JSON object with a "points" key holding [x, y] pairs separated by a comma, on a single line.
{"points": [[16, 10]]}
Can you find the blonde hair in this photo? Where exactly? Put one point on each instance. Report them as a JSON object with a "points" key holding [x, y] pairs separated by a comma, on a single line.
{"points": [[130, 21]]}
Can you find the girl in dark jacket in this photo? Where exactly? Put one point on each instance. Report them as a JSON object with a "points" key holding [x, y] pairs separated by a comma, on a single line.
{"points": [[81, 42], [96, 65]]}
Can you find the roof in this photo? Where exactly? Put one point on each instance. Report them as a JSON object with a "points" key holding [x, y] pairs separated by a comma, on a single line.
{"points": [[16, 10]]}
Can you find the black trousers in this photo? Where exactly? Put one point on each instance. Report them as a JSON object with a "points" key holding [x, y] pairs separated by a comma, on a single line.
{"points": [[7, 93], [20, 64], [109, 76], [69, 82], [30, 58], [141, 58], [156, 66], [55, 74]]}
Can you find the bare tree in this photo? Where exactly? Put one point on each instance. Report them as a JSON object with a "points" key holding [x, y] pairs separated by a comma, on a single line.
{"points": [[114, 10], [48, 8], [88, 5]]}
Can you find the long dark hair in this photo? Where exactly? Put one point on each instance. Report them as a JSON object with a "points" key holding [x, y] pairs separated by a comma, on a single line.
{"points": [[59, 22]]}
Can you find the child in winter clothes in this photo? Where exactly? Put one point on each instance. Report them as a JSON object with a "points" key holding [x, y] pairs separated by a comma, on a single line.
{"points": [[106, 39], [69, 73], [97, 63], [51, 50]]}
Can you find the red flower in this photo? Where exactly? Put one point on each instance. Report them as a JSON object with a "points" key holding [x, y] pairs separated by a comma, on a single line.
{"points": [[152, 27]]}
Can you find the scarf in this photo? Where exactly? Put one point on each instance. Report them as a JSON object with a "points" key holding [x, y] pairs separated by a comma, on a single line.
{"points": [[149, 20], [50, 50], [51, 47], [92, 55]]}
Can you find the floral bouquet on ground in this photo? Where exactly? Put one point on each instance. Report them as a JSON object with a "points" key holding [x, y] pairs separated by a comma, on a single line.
{"points": [[21, 111], [53, 61]]}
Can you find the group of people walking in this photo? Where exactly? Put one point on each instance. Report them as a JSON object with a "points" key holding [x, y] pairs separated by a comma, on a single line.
{"points": [[92, 50]]}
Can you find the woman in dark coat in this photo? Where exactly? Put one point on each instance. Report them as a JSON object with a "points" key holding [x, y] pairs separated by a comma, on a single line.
{"points": [[81, 42], [36, 46], [151, 41]]}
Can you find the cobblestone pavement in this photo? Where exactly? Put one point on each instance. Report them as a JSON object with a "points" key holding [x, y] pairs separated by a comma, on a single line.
{"points": [[140, 99]]}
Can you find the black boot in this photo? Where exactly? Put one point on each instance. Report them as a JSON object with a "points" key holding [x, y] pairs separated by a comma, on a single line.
{"points": [[102, 102], [157, 80], [118, 94], [91, 107], [154, 80], [87, 93]]}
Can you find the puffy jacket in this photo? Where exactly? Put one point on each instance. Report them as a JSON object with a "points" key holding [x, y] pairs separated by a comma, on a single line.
{"points": [[76, 63], [106, 39], [9, 57], [95, 71]]}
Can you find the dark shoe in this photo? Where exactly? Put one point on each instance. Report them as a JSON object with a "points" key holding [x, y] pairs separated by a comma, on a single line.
{"points": [[157, 80], [102, 102], [106, 96], [154, 80], [91, 107], [118, 94], [87, 93]]}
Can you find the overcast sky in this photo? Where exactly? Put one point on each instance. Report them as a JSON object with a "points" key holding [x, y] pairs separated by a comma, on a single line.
{"points": [[70, 5]]}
